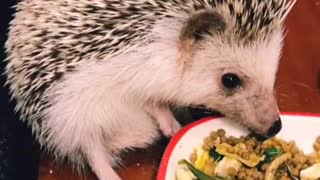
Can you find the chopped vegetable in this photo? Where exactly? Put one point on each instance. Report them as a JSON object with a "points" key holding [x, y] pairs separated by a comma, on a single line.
{"points": [[225, 164], [274, 165], [216, 156], [184, 173], [198, 151], [270, 154], [200, 175], [311, 173], [251, 162], [289, 171], [202, 157]]}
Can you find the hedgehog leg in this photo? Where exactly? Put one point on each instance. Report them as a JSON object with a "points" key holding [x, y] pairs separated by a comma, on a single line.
{"points": [[100, 165], [167, 123]]}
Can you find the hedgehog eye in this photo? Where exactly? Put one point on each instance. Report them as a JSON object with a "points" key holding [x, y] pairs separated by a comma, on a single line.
{"points": [[231, 81]]}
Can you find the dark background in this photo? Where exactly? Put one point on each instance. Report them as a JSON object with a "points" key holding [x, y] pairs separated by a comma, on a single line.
{"points": [[19, 155]]}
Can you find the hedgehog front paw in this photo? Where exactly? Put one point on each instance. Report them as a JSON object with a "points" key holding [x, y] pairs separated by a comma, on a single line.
{"points": [[167, 122], [170, 127]]}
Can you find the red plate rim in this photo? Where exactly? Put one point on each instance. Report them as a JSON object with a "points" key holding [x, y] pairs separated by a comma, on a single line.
{"points": [[175, 139]]}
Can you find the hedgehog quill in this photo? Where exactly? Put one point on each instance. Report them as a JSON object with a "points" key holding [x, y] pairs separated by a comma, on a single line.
{"points": [[94, 78]]}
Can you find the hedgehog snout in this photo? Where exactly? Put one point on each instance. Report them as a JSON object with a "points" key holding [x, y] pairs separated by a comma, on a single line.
{"points": [[273, 130]]}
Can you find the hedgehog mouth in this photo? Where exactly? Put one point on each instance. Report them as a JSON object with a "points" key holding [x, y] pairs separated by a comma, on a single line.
{"points": [[201, 111]]}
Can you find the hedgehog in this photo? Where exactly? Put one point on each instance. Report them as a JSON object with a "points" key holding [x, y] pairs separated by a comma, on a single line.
{"points": [[94, 78]]}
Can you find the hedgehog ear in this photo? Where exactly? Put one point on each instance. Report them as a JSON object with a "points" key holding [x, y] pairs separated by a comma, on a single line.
{"points": [[196, 28], [201, 24]]}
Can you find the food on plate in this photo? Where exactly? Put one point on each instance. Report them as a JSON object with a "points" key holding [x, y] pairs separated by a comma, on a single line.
{"points": [[222, 157]]}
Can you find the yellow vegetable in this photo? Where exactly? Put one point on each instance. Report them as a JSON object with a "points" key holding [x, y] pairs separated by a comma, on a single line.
{"points": [[202, 157], [251, 162], [311, 173], [226, 163]]}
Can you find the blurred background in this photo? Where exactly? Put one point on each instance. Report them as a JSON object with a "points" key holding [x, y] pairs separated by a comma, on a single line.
{"points": [[19, 155]]}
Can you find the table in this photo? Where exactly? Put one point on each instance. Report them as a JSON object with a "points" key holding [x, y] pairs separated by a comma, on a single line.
{"points": [[298, 90]]}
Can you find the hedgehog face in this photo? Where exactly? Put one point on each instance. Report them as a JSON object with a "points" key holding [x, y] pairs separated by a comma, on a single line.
{"points": [[245, 82], [235, 78]]}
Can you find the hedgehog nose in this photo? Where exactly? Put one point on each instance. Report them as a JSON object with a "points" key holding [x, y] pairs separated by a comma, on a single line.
{"points": [[275, 128], [272, 131]]}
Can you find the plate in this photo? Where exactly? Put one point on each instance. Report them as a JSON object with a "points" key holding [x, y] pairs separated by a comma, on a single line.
{"points": [[301, 127]]}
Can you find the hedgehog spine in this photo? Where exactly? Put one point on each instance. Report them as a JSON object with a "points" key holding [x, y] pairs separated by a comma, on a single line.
{"points": [[58, 48]]}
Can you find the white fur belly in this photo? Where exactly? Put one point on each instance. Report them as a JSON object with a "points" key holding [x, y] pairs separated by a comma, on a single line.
{"points": [[88, 109]]}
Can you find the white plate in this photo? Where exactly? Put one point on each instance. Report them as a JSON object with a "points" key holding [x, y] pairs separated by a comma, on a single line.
{"points": [[300, 127]]}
